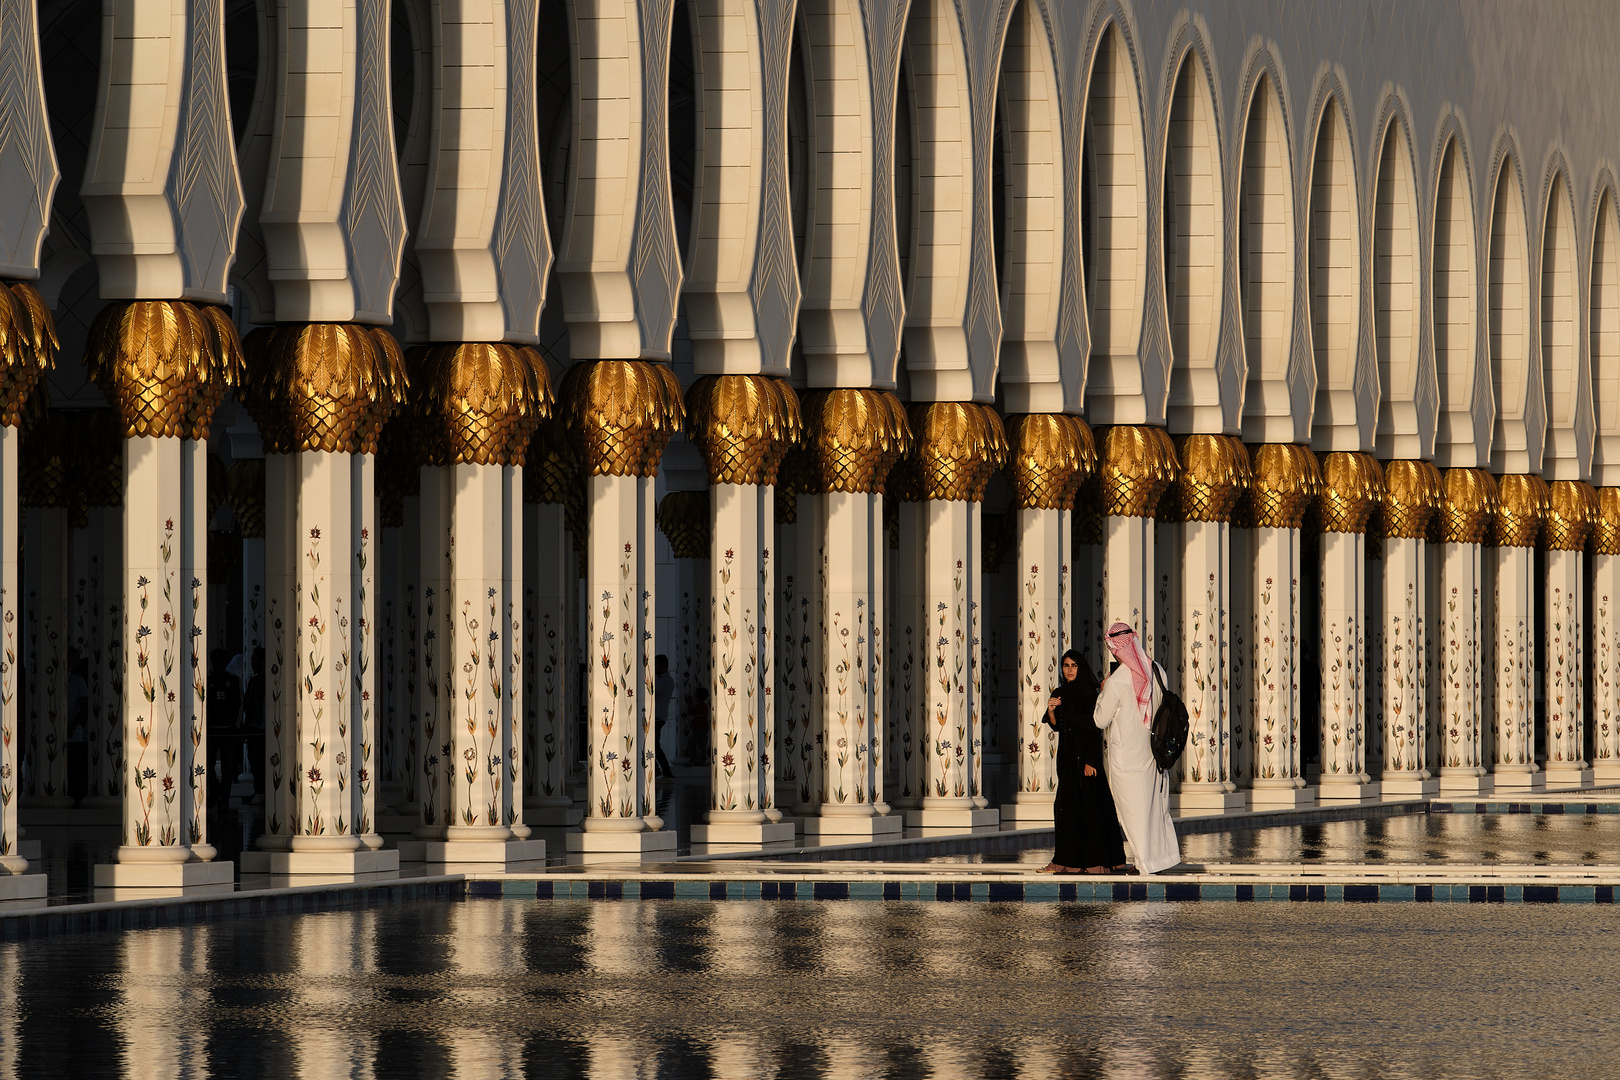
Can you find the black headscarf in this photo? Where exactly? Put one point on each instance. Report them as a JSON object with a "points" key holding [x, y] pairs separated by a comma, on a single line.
{"points": [[1082, 687]]}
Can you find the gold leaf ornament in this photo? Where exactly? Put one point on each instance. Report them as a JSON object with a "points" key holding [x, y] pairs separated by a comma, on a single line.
{"points": [[853, 437], [957, 447], [683, 518], [479, 403], [1524, 500], [744, 425], [1285, 481], [1572, 504], [1352, 488], [1414, 493], [1606, 522], [1470, 508], [163, 364], [1048, 458], [1214, 475], [1138, 465], [623, 412]]}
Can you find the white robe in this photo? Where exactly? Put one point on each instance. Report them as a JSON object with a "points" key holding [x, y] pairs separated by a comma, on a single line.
{"points": [[1141, 790]]}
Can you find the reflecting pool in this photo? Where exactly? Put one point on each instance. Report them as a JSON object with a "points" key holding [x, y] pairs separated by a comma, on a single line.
{"points": [[490, 988]]}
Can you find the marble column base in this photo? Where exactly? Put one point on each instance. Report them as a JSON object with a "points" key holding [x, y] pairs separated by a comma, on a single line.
{"points": [[833, 829], [22, 887], [1330, 794], [1567, 776], [1519, 778], [1406, 787], [742, 834], [953, 820], [325, 863], [1466, 784], [482, 855], [1282, 797], [644, 844], [164, 875], [1026, 814], [1606, 772], [1207, 800]]}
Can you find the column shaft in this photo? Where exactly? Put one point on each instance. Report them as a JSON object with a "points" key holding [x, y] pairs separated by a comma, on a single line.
{"points": [[1043, 632]]}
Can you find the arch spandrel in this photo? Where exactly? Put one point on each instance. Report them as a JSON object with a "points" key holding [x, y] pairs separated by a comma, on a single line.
{"points": [[1518, 439], [741, 288], [27, 157], [1281, 378], [1459, 325], [1346, 378], [852, 310], [1565, 359], [1114, 234], [1408, 391], [617, 265], [1030, 371], [1203, 390], [1603, 323]]}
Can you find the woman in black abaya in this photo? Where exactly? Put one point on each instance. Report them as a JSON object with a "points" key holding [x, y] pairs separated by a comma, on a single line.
{"points": [[1088, 837]]}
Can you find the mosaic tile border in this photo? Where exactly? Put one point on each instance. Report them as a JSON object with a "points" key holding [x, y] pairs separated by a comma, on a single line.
{"points": [[1537, 808], [187, 911], [1039, 891]]}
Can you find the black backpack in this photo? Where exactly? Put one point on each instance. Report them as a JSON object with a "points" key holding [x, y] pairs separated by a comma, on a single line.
{"points": [[1169, 732]]}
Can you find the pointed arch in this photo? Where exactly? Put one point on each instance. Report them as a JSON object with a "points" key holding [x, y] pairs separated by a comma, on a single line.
{"points": [[1334, 271], [1030, 104], [1461, 441], [1114, 232], [1516, 445], [1266, 276], [1565, 365], [1194, 207], [1404, 414]]}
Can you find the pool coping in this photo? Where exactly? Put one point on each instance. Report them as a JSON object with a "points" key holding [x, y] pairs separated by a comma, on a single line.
{"points": [[767, 875]]}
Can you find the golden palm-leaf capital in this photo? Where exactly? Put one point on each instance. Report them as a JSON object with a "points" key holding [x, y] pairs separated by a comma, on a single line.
{"points": [[853, 437], [958, 445], [683, 518], [1524, 500], [1606, 522], [1214, 474], [1285, 481], [1047, 459], [743, 425], [153, 358], [1138, 465], [1352, 488], [624, 412], [1470, 507], [1413, 495], [1571, 506]]}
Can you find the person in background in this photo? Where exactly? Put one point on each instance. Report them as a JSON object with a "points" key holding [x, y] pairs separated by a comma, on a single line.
{"points": [[663, 698], [1083, 812], [1141, 789]]}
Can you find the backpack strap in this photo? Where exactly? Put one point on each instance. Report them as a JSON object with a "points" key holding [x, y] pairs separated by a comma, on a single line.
{"points": [[1159, 677]]}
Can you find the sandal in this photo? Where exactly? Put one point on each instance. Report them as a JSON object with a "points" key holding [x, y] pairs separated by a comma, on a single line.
{"points": [[1053, 868]]}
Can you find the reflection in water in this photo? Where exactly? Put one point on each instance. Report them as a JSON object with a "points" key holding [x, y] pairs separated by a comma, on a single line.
{"points": [[1448, 839], [491, 988]]}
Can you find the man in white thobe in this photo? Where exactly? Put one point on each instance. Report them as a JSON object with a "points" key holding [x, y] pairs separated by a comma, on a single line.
{"points": [[1141, 790]]}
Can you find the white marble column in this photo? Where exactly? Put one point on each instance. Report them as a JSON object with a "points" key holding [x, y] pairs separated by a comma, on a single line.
{"points": [[480, 406], [16, 882], [1136, 465], [957, 447], [1406, 627], [1524, 504], [1049, 457], [853, 437], [1352, 488], [1214, 472], [1572, 506], [1285, 480], [1605, 613], [743, 425], [622, 414]]}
